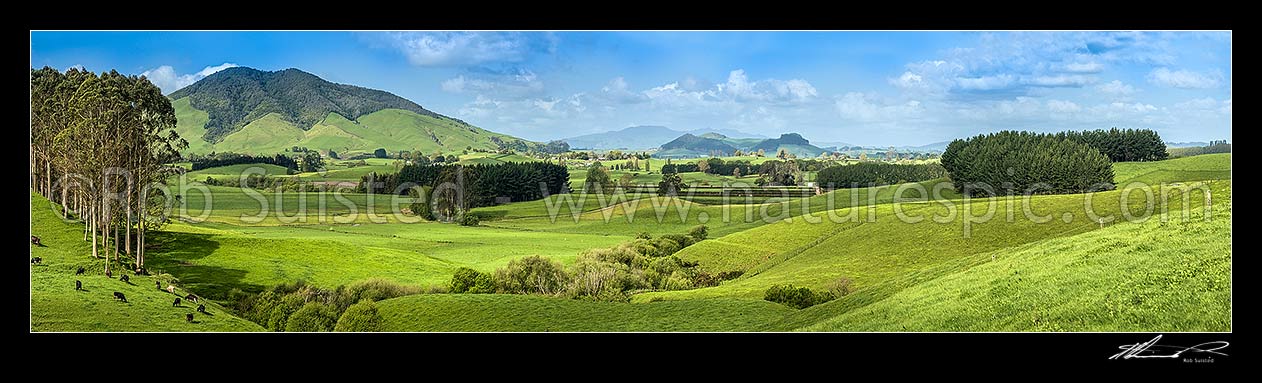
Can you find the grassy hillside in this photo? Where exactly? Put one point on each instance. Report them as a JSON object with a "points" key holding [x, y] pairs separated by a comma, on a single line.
{"points": [[216, 257], [56, 306], [871, 251], [1126, 277], [492, 158], [496, 312], [235, 171], [190, 124], [642, 215], [392, 129], [237, 96], [1195, 168]]}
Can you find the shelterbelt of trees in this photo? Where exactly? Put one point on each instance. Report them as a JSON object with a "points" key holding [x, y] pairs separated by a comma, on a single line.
{"points": [[480, 184], [97, 143], [1010, 162]]}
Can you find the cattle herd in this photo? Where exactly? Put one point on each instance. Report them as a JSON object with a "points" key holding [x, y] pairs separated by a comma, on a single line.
{"points": [[118, 295]]}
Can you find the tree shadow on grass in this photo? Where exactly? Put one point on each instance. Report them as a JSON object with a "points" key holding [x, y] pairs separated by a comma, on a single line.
{"points": [[174, 253]]}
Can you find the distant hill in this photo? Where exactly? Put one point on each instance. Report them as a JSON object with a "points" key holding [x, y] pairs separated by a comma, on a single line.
{"points": [[934, 147], [252, 111], [1186, 144], [689, 145], [642, 137], [791, 142], [832, 144]]}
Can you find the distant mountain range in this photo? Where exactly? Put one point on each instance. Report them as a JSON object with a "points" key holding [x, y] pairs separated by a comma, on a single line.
{"points": [[689, 145], [643, 137], [247, 110], [1186, 144]]}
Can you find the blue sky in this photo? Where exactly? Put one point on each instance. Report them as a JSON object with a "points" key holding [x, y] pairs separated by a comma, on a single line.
{"points": [[872, 88]]}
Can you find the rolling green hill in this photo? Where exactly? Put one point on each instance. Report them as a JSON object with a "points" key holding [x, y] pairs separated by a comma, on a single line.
{"points": [[1194, 168], [1133, 276], [497, 312], [56, 306], [245, 110]]}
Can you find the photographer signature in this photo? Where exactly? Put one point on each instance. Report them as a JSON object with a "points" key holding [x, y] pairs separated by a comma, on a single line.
{"points": [[1151, 349]]}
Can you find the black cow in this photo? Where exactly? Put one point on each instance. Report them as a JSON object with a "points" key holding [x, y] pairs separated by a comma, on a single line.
{"points": [[35, 241], [36, 260], [201, 309], [141, 271], [158, 284], [124, 278], [177, 302], [188, 317], [191, 298], [78, 285], [79, 272], [120, 296]]}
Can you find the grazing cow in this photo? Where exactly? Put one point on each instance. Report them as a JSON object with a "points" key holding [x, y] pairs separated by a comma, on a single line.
{"points": [[157, 284], [177, 302], [119, 296], [124, 278], [36, 260], [78, 285], [189, 317], [201, 309], [171, 289], [79, 272], [35, 241], [191, 298]]}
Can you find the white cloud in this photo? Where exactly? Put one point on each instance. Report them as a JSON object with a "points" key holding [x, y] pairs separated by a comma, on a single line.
{"points": [[739, 88], [521, 84], [1061, 106], [1116, 88], [75, 66], [618, 90], [169, 81], [454, 85], [985, 82], [545, 105], [1083, 67], [870, 108], [1200, 103], [799, 90], [1061, 80], [1185, 79], [433, 49]]}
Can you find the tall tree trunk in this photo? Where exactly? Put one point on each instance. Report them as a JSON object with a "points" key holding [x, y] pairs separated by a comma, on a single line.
{"points": [[92, 222], [65, 205], [127, 224]]}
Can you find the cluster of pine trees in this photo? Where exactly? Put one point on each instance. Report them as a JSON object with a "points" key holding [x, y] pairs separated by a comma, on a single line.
{"points": [[214, 160], [1010, 162], [1122, 145], [876, 174], [481, 183], [712, 166], [98, 142]]}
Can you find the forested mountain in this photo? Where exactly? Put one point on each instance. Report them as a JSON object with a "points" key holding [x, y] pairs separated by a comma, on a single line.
{"points": [[252, 111]]}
